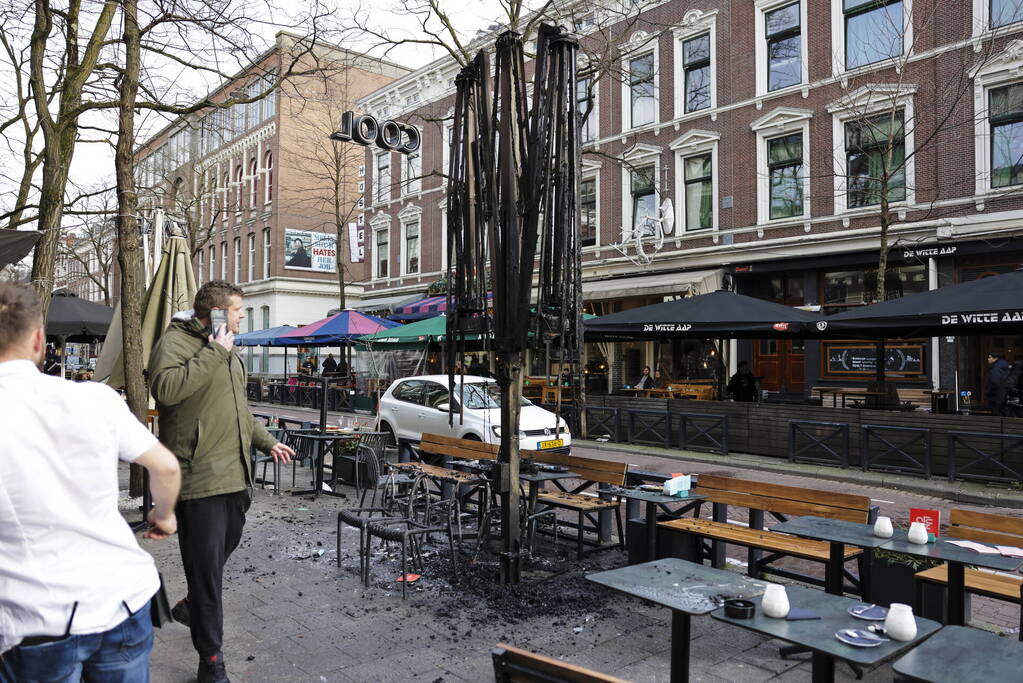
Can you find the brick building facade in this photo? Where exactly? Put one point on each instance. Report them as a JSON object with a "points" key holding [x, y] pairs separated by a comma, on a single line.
{"points": [[764, 124]]}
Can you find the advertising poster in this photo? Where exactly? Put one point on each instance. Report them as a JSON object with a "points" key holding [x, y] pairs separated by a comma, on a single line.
{"points": [[304, 250]]}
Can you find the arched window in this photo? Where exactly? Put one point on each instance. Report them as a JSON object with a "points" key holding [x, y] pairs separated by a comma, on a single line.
{"points": [[252, 183], [238, 187], [225, 196], [268, 162]]}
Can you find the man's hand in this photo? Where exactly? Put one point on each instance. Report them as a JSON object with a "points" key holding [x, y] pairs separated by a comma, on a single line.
{"points": [[282, 453], [225, 338], [163, 526]]}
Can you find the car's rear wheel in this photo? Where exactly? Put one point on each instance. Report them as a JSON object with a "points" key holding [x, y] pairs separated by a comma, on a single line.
{"points": [[389, 439], [472, 437]]}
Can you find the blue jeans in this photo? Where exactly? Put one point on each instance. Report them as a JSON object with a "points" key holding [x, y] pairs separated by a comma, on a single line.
{"points": [[120, 655]]}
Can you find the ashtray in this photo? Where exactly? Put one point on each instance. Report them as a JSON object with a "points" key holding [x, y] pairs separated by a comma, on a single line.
{"points": [[740, 609]]}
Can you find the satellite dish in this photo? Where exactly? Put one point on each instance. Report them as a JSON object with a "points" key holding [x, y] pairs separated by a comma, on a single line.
{"points": [[667, 217]]}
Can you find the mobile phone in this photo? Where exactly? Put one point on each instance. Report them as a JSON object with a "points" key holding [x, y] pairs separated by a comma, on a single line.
{"points": [[218, 321]]}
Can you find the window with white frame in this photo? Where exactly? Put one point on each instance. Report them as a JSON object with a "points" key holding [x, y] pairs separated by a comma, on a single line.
{"points": [[237, 259], [1005, 118], [265, 361], [874, 30], [698, 177], [586, 104], [252, 256], [875, 149], [238, 188], [785, 176], [413, 172], [783, 36], [223, 260], [382, 177], [782, 160], [643, 189], [1004, 12], [213, 262], [642, 90], [253, 167], [268, 164], [411, 265], [696, 56], [266, 253], [202, 266], [446, 155], [382, 250], [588, 224]]}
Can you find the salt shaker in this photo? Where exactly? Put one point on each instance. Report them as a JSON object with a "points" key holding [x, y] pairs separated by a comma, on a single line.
{"points": [[775, 602], [883, 527]]}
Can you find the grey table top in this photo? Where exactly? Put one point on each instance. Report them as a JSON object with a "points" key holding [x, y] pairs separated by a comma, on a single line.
{"points": [[652, 496], [679, 585], [819, 634], [961, 653], [945, 551], [835, 530]]}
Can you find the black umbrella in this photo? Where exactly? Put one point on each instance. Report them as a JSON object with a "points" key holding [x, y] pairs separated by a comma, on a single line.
{"points": [[72, 318], [993, 305], [718, 315], [15, 245]]}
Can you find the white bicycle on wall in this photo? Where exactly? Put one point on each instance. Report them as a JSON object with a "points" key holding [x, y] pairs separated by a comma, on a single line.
{"points": [[646, 238]]}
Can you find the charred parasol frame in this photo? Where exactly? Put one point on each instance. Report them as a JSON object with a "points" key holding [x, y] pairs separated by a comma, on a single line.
{"points": [[513, 216]]}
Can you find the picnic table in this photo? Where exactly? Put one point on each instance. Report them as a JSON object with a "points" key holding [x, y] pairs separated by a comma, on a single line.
{"points": [[818, 635], [655, 500], [687, 589], [844, 393], [957, 559], [838, 533], [960, 653]]}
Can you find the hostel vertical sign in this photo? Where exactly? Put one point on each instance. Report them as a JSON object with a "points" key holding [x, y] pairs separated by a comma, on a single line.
{"points": [[356, 243]]}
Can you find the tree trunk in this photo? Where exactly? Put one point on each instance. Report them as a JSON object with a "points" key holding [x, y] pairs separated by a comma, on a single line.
{"points": [[129, 255], [511, 400]]}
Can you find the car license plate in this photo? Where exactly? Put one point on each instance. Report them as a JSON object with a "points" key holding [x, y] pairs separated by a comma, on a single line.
{"points": [[554, 443]]}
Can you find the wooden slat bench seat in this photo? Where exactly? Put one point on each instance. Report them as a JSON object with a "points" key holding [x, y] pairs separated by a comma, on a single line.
{"points": [[983, 527], [512, 665], [579, 501], [779, 501], [755, 538]]}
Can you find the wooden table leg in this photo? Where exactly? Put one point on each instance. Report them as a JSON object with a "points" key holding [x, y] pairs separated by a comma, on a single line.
{"points": [[680, 635]]}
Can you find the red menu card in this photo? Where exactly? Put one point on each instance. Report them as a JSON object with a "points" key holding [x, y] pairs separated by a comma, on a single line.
{"points": [[930, 518]]}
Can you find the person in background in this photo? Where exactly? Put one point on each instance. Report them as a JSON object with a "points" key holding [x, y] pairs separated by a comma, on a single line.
{"points": [[82, 376], [329, 365], [199, 386], [743, 385], [645, 381], [308, 367], [659, 382], [566, 376], [997, 383], [75, 586]]}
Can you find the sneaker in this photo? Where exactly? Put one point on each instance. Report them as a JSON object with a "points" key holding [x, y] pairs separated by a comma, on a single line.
{"points": [[181, 614], [212, 670]]}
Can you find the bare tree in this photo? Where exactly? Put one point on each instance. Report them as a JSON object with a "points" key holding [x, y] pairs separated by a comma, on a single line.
{"points": [[89, 249]]}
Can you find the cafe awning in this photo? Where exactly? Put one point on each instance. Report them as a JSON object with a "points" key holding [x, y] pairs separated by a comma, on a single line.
{"points": [[692, 282], [383, 303]]}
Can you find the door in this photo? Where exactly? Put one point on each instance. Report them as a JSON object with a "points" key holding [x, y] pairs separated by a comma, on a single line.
{"points": [[434, 421], [778, 363], [406, 408]]}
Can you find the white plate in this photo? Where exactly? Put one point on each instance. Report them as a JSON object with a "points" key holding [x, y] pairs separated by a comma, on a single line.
{"points": [[863, 639], [858, 610]]}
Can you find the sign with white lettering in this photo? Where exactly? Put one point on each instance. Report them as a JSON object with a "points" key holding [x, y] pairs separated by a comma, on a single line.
{"points": [[363, 129], [305, 250]]}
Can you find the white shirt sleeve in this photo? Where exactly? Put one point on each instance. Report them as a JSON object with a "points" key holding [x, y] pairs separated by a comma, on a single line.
{"points": [[133, 439]]}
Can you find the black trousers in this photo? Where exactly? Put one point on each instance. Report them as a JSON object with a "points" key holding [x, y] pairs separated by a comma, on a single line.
{"points": [[209, 530]]}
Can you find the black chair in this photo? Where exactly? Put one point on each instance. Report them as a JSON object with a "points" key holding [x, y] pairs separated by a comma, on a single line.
{"points": [[261, 458], [409, 533]]}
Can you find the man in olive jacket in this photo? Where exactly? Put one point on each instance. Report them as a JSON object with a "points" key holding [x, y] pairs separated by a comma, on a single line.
{"points": [[199, 387]]}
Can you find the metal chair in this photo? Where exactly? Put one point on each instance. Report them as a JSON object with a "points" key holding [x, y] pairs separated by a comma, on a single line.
{"points": [[408, 533]]}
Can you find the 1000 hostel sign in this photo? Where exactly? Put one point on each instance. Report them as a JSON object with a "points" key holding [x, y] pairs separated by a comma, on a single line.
{"points": [[390, 135], [305, 250]]}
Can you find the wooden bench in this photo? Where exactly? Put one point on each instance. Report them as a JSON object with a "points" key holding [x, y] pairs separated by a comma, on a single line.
{"points": [[779, 501], [512, 665], [983, 527], [592, 472]]}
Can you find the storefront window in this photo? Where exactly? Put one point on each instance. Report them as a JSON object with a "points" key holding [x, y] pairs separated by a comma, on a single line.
{"points": [[847, 289]]}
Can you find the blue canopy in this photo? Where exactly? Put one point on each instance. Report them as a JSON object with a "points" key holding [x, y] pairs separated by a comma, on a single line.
{"points": [[340, 328], [261, 337]]}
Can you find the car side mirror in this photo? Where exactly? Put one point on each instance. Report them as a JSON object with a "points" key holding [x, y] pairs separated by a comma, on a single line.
{"points": [[444, 407]]}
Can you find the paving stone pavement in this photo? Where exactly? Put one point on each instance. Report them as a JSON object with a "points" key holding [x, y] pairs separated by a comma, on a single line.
{"points": [[292, 615]]}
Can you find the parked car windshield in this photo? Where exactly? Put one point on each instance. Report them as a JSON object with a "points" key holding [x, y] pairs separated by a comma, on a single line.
{"points": [[483, 395]]}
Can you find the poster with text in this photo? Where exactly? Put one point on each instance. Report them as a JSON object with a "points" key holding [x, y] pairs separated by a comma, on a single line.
{"points": [[304, 250]]}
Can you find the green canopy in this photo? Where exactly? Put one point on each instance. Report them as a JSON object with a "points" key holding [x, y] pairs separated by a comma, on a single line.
{"points": [[416, 335]]}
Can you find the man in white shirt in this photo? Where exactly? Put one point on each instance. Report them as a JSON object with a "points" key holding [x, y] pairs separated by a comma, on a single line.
{"points": [[75, 586]]}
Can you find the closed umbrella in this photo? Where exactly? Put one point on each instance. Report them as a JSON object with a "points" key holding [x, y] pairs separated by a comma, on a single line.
{"points": [[172, 290]]}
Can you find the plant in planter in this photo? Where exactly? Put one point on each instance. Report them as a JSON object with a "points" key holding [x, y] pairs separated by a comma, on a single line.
{"points": [[891, 579]]}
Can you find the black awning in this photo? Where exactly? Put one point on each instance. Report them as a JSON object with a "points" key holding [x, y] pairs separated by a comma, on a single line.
{"points": [[992, 305], [708, 316], [72, 317], [15, 245]]}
